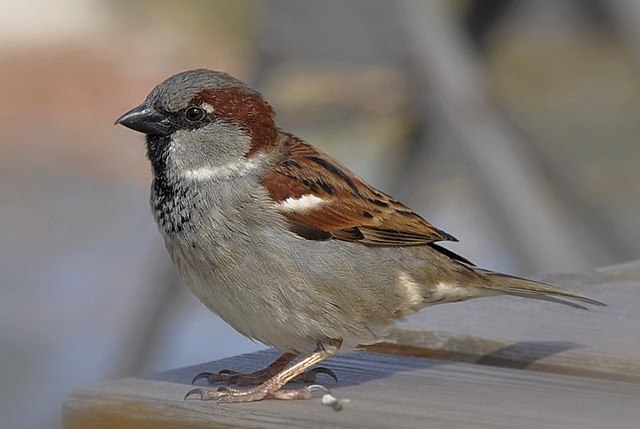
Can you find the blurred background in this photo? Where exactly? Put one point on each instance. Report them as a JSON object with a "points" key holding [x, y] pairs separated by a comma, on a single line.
{"points": [[511, 124]]}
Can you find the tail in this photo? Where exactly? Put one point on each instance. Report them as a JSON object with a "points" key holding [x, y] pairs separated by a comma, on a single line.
{"points": [[517, 286]]}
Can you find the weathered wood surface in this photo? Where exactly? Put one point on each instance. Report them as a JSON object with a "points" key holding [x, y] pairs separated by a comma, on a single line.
{"points": [[603, 342], [385, 391], [431, 378], [613, 328]]}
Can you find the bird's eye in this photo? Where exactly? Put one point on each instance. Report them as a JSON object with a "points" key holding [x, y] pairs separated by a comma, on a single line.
{"points": [[195, 114]]}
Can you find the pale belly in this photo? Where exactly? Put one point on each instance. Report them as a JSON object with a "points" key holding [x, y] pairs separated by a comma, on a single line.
{"points": [[284, 293], [280, 289]]}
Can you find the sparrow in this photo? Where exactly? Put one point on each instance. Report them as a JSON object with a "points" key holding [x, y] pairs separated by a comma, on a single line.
{"points": [[285, 243]]}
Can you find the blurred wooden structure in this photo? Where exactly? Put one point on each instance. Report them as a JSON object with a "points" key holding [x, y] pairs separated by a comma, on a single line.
{"points": [[516, 187], [430, 379]]}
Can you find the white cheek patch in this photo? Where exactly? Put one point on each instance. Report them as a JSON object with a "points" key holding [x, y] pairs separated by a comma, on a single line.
{"points": [[207, 107], [302, 204]]}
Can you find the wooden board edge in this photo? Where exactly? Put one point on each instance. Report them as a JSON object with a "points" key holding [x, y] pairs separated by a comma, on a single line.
{"points": [[553, 357]]}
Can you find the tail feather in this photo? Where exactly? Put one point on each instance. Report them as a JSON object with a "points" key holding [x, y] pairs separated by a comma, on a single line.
{"points": [[511, 285]]}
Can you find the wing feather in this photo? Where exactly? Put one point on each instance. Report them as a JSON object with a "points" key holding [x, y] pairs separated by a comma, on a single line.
{"points": [[351, 210]]}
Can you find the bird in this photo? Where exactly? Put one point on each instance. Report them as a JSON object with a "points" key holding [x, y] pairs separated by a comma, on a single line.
{"points": [[284, 242]]}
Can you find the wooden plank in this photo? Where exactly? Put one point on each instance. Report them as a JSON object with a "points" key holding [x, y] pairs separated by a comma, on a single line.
{"points": [[385, 391], [553, 357], [603, 342]]}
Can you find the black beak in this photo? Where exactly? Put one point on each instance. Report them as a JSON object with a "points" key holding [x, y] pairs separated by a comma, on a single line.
{"points": [[147, 120]]}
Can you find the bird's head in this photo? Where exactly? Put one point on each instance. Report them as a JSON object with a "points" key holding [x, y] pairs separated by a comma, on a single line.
{"points": [[202, 119]]}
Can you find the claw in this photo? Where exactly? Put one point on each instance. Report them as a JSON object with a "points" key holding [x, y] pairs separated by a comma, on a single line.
{"points": [[317, 388], [324, 370], [201, 376], [220, 376], [311, 375], [193, 392], [210, 394]]}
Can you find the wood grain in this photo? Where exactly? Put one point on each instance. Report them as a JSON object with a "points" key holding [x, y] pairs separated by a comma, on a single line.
{"points": [[385, 391]]}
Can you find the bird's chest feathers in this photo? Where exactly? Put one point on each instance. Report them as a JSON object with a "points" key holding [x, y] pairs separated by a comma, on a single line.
{"points": [[199, 210], [174, 204], [192, 183], [212, 219]]}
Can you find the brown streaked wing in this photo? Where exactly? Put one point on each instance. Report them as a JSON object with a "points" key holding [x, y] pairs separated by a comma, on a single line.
{"points": [[354, 211]]}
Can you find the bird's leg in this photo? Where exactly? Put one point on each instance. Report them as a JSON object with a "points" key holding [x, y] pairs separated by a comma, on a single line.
{"points": [[256, 377], [271, 388], [262, 375]]}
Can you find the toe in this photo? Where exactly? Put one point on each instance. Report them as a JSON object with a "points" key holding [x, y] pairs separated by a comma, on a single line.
{"points": [[228, 372], [301, 393], [222, 376], [205, 394]]}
